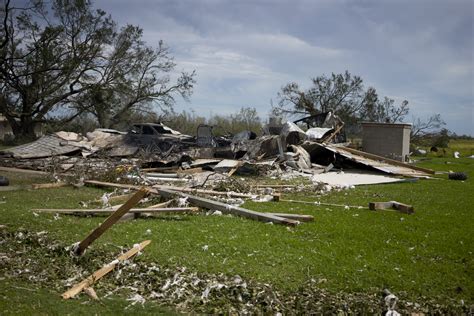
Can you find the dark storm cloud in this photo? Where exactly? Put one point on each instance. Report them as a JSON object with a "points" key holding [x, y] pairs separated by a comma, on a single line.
{"points": [[244, 51]]}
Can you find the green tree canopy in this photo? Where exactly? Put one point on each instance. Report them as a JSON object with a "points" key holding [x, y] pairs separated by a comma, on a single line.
{"points": [[63, 58]]}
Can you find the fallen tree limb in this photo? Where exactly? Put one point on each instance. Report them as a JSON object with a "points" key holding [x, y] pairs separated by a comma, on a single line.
{"points": [[112, 219], [76, 289], [227, 209]]}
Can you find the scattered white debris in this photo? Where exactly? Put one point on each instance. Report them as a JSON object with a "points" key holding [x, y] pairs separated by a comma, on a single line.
{"points": [[183, 202], [205, 247], [346, 207], [456, 154], [105, 199], [148, 232], [265, 198], [391, 301], [136, 298], [217, 213]]}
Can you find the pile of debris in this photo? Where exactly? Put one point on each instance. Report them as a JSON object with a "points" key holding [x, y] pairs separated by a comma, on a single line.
{"points": [[280, 152], [190, 174]]}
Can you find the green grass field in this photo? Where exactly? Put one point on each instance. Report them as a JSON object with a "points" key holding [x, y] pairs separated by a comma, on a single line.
{"points": [[427, 256]]}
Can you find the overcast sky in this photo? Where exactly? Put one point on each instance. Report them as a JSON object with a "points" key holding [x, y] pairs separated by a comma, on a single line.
{"points": [[245, 51]]}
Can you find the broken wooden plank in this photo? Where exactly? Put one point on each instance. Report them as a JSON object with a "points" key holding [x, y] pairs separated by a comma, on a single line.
{"points": [[174, 188], [112, 219], [297, 217], [190, 171], [403, 208], [108, 211], [28, 171], [333, 134], [48, 185], [163, 169], [163, 204], [227, 209], [201, 191], [112, 185], [76, 289], [116, 198], [161, 175]]}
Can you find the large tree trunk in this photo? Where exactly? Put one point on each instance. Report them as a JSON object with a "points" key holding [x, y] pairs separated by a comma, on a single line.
{"points": [[23, 130]]}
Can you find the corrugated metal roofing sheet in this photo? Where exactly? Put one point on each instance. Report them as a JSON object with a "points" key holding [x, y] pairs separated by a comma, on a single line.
{"points": [[46, 146], [382, 165]]}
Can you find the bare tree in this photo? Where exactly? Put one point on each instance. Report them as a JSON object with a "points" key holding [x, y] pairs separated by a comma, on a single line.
{"points": [[342, 93], [422, 127]]}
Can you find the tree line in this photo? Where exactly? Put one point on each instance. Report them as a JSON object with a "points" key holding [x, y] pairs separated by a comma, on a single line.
{"points": [[65, 64]]}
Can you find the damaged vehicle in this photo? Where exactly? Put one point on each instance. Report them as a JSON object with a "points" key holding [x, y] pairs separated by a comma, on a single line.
{"points": [[156, 137]]}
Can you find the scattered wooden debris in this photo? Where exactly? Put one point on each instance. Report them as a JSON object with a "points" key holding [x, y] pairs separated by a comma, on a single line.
{"points": [[227, 209], [112, 219], [402, 208], [174, 188], [87, 283]]}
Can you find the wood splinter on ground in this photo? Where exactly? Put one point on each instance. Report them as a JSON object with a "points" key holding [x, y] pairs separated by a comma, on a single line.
{"points": [[402, 208], [87, 283]]}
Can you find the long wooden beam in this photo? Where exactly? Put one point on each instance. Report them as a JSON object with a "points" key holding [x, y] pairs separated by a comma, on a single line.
{"points": [[112, 185], [296, 217], [18, 170], [167, 187], [76, 289], [112, 219], [108, 211], [201, 191], [227, 209]]}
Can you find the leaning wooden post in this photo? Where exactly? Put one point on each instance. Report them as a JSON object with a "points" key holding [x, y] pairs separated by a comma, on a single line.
{"points": [[112, 219], [76, 289]]}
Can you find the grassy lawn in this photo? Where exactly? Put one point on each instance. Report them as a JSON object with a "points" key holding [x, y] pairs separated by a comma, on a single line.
{"points": [[427, 256]]}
